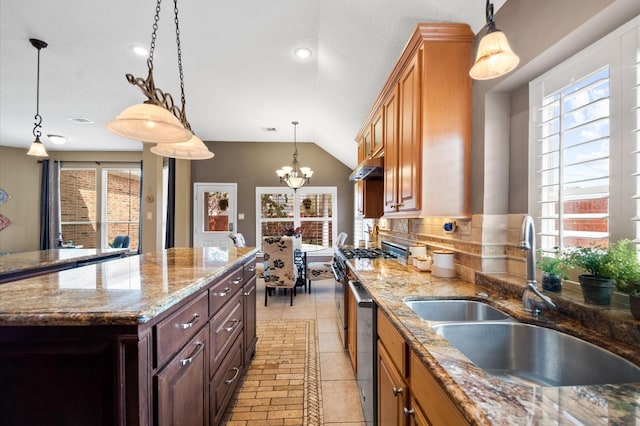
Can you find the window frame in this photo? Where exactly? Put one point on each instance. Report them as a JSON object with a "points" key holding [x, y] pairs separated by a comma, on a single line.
{"points": [[618, 50], [297, 219]]}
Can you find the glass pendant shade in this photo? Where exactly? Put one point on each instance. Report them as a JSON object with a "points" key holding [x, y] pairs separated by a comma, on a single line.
{"points": [[193, 149], [37, 149], [494, 58], [149, 123]]}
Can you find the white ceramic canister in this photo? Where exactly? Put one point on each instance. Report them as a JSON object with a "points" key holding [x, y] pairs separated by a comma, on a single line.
{"points": [[422, 263], [416, 250], [443, 264]]}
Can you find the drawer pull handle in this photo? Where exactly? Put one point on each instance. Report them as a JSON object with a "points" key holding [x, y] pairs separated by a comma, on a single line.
{"points": [[235, 375], [252, 268], [223, 293], [196, 318], [248, 293], [408, 411], [237, 281], [235, 324], [187, 361], [397, 391]]}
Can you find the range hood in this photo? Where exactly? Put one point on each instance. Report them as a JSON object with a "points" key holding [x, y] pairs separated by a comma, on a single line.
{"points": [[372, 168]]}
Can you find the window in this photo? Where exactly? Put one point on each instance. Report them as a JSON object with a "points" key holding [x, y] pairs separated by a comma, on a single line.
{"points": [[584, 145], [280, 210], [94, 210]]}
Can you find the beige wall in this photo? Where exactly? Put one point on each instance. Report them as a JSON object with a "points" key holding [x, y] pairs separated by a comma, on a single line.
{"points": [[20, 177], [543, 33], [252, 164]]}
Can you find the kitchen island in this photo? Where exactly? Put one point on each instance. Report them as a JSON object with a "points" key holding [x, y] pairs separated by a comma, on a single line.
{"points": [[158, 338], [27, 264], [481, 398]]}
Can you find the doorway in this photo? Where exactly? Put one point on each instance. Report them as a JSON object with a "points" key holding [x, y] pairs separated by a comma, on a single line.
{"points": [[214, 213]]}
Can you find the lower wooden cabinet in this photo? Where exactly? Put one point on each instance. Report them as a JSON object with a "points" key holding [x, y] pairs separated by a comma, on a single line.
{"points": [[352, 331], [225, 381], [250, 337], [181, 386], [408, 394], [429, 400], [392, 391]]}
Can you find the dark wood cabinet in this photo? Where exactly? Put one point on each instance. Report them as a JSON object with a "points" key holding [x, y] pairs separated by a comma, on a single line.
{"points": [[182, 385], [369, 195], [178, 366]]}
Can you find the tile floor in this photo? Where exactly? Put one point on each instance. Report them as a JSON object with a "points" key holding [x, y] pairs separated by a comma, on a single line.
{"points": [[340, 398]]}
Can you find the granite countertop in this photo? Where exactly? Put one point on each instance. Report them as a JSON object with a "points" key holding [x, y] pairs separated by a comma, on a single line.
{"points": [[126, 291], [481, 397], [29, 260]]}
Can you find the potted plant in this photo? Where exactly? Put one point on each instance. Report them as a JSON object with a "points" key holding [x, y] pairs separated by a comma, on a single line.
{"points": [[553, 271], [627, 271], [606, 267], [598, 283]]}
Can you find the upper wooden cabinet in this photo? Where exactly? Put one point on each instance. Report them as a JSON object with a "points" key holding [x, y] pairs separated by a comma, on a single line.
{"points": [[425, 107]]}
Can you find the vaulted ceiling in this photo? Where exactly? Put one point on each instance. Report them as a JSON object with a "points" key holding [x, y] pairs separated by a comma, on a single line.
{"points": [[240, 73]]}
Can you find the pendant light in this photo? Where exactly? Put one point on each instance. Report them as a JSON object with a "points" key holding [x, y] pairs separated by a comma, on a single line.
{"points": [[193, 149], [495, 57], [294, 176], [37, 148], [158, 120]]}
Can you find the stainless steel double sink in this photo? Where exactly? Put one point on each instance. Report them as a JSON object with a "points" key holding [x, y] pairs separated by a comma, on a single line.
{"points": [[521, 353]]}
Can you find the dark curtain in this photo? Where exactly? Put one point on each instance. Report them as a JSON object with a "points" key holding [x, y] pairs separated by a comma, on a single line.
{"points": [[49, 204], [140, 210], [169, 240]]}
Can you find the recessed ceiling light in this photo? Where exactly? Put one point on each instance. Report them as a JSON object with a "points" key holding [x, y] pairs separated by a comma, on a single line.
{"points": [[140, 51], [302, 52], [80, 120], [57, 139], [268, 129]]}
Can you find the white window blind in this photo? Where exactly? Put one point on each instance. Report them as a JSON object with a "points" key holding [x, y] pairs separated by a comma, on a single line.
{"points": [[584, 150]]}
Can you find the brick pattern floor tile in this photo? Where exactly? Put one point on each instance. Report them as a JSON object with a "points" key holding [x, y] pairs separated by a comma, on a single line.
{"points": [[282, 384]]}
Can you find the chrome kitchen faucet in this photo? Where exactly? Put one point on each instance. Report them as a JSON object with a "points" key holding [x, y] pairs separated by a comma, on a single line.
{"points": [[531, 293]]}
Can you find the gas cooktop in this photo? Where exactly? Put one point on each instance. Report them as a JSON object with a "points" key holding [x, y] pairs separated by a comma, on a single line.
{"points": [[368, 253]]}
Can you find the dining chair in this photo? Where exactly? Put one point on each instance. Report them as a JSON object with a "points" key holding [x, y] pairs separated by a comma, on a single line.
{"points": [[238, 239], [322, 270], [120, 241], [279, 271]]}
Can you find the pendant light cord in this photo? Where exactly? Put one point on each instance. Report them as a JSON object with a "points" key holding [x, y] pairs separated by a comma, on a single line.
{"points": [[38, 44], [175, 11], [156, 18]]}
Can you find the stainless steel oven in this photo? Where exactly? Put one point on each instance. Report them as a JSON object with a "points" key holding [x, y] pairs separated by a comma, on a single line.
{"points": [[341, 255]]}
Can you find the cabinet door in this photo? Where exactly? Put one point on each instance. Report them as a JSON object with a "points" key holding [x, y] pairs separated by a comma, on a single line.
{"points": [[182, 386], [390, 129], [250, 337], [377, 138], [409, 139], [416, 416], [359, 194], [391, 391]]}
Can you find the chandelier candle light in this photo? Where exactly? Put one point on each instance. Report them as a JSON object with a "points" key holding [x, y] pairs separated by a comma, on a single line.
{"points": [[158, 120], [37, 148], [495, 57], [294, 176]]}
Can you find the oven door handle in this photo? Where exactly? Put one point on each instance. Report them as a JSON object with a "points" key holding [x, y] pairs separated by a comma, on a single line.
{"points": [[336, 275]]}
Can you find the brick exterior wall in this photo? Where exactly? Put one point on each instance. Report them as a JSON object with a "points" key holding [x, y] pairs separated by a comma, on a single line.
{"points": [[78, 204]]}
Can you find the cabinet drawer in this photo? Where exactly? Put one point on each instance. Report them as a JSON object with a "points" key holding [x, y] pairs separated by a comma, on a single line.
{"points": [[224, 382], [173, 332], [226, 326], [249, 269], [225, 289], [431, 398], [393, 343]]}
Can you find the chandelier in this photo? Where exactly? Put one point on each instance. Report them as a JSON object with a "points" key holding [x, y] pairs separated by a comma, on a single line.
{"points": [[37, 148], [294, 176], [158, 120], [495, 57]]}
